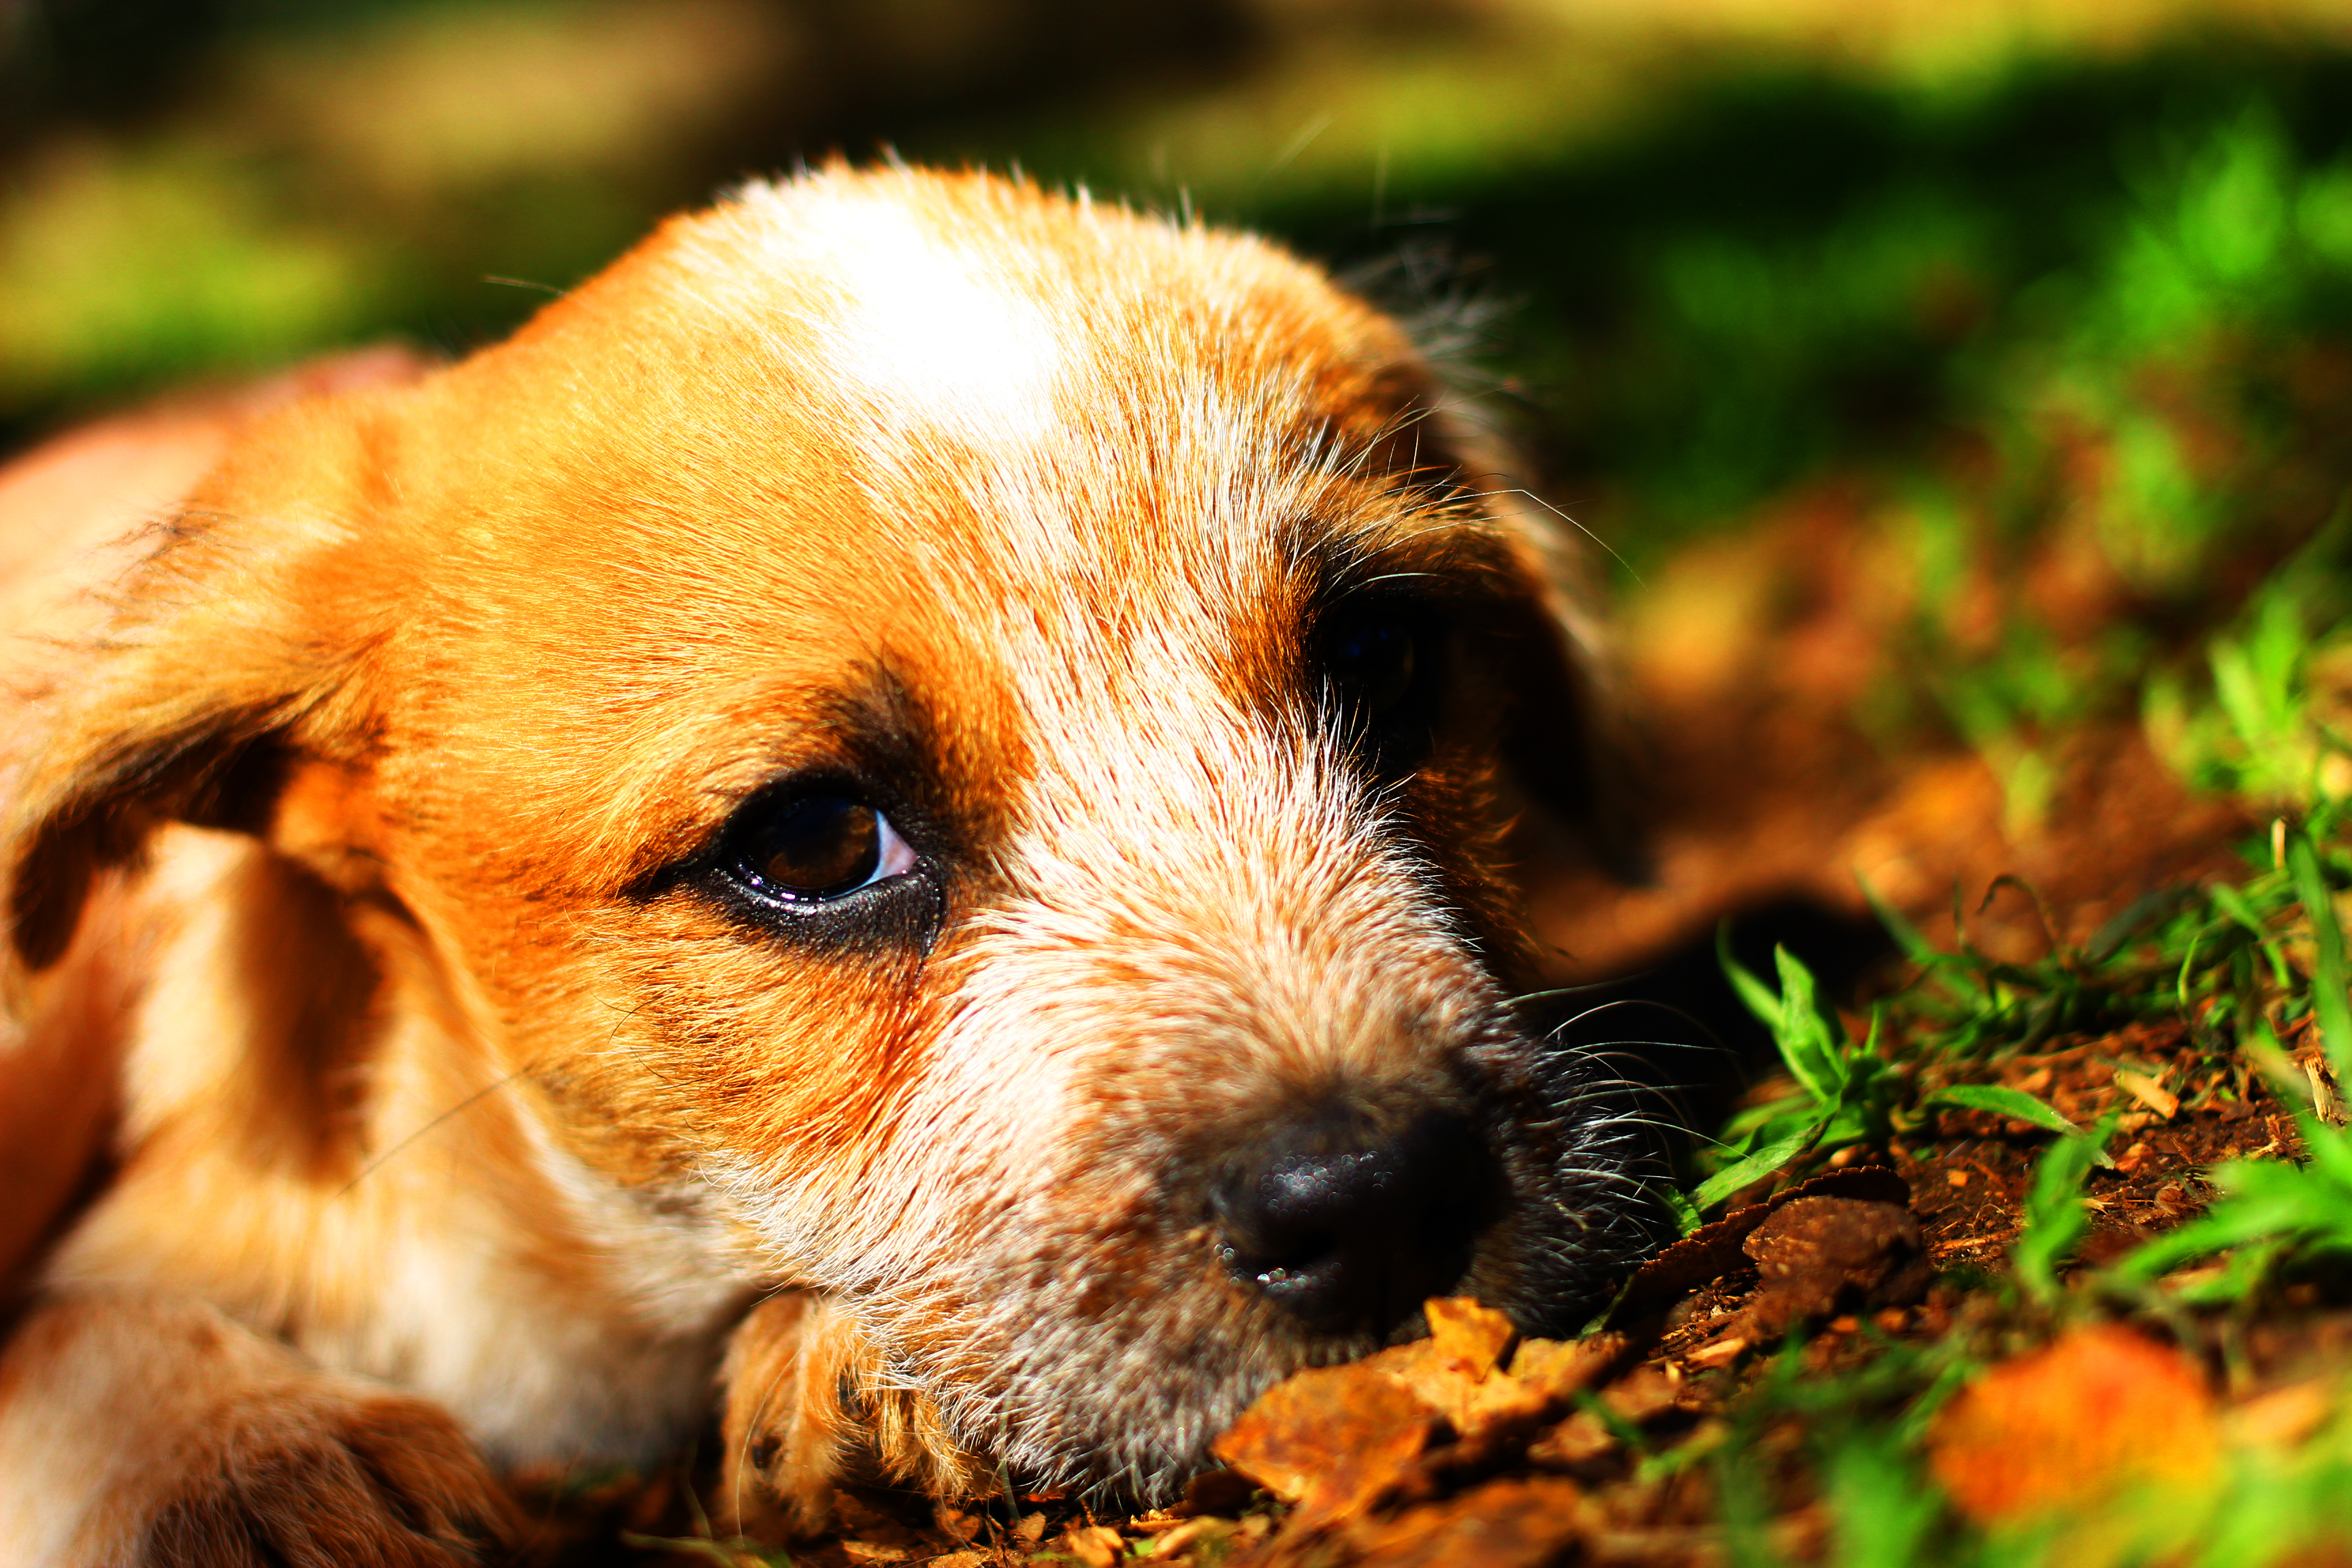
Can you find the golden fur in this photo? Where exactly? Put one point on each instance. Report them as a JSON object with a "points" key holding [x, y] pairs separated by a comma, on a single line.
{"points": [[407, 1084]]}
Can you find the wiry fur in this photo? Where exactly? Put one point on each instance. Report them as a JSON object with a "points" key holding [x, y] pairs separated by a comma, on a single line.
{"points": [[441, 1067]]}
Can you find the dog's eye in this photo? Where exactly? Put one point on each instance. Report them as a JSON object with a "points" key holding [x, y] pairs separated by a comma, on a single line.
{"points": [[1383, 664], [1373, 663], [819, 847]]}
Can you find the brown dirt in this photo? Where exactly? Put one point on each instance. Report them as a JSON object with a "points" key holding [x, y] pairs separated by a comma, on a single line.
{"points": [[1755, 664]]}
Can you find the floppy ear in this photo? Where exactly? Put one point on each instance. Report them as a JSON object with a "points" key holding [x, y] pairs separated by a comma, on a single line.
{"points": [[1568, 741], [1568, 748], [225, 661]]}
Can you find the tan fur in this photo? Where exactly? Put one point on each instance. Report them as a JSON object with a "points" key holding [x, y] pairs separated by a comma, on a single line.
{"points": [[809, 1401], [368, 954]]}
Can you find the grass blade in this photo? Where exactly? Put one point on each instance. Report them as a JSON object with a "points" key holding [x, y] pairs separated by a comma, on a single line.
{"points": [[1753, 993], [1754, 1168], [2014, 1103], [2328, 998], [2054, 1220]]}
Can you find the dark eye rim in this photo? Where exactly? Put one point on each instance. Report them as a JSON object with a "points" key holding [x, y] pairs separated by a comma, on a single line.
{"points": [[732, 852]]}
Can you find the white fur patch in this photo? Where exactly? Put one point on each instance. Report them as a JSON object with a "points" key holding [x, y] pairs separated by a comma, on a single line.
{"points": [[913, 322]]}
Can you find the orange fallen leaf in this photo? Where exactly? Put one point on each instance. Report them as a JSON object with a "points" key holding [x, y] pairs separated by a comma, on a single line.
{"points": [[2098, 1409], [1340, 1441], [1189, 1534], [1331, 1440], [2148, 1092], [1469, 1339], [1562, 1369], [1582, 1437], [1721, 1353], [1644, 1394], [2284, 1417], [1095, 1545], [1473, 1406], [1503, 1524]]}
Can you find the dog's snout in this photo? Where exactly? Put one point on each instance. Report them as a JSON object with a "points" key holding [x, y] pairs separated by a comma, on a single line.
{"points": [[1349, 1227]]}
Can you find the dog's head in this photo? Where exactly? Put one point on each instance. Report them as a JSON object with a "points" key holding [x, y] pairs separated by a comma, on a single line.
{"points": [[980, 729]]}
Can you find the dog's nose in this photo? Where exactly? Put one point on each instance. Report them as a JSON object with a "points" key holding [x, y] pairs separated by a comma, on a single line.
{"points": [[1351, 1228]]}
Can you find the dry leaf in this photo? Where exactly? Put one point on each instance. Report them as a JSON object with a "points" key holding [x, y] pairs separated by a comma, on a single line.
{"points": [[1503, 1524], [2282, 1417], [1473, 1406], [1644, 1394], [1030, 1531], [1173, 1541], [1095, 1545], [1722, 1353], [2101, 1407], [2148, 1092], [958, 1560], [1471, 1340], [1577, 1440], [874, 1551], [1331, 1440], [1813, 1250], [1712, 1249], [1561, 1369]]}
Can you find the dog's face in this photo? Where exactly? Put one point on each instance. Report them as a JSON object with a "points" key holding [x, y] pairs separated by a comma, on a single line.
{"points": [[977, 731]]}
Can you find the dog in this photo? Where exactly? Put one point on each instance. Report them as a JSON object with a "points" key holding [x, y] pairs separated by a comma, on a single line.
{"points": [[915, 791]]}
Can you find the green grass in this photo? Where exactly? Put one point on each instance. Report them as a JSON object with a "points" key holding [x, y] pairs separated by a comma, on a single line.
{"points": [[2244, 965]]}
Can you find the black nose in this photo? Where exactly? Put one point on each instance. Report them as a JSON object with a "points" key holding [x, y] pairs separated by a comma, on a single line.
{"points": [[1352, 1227]]}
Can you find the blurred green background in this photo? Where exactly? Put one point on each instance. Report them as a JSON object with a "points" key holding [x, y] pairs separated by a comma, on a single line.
{"points": [[2052, 300], [1740, 240]]}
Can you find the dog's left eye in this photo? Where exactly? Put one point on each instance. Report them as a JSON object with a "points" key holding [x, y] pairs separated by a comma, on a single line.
{"points": [[816, 847]]}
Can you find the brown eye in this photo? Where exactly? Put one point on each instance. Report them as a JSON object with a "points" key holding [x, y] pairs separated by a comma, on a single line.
{"points": [[820, 846]]}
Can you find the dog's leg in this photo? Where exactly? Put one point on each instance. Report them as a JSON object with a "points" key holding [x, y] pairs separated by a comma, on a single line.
{"points": [[139, 1429], [809, 1403]]}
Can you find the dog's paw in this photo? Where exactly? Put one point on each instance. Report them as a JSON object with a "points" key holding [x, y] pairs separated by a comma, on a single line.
{"points": [[147, 1430], [809, 1406], [782, 1458], [322, 1476]]}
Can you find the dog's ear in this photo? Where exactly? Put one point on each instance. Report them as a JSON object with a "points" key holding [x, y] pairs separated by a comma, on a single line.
{"points": [[223, 665], [1567, 742]]}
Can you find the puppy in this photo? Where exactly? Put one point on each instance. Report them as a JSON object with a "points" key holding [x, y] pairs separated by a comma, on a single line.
{"points": [[927, 754]]}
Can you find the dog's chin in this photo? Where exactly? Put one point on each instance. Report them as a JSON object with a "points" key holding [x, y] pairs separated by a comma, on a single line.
{"points": [[1108, 1370], [1118, 1401]]}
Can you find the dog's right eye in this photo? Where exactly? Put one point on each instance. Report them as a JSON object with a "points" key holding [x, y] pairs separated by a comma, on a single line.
{"points": [[815, 849], [1385, 664]]}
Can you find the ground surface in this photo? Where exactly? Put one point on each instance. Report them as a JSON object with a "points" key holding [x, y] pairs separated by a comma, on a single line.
{"points": [[1958, 397], [1855, 1287]]}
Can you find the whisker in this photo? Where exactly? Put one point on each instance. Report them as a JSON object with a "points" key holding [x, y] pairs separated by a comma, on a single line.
{"points": [[459, 1108]]}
